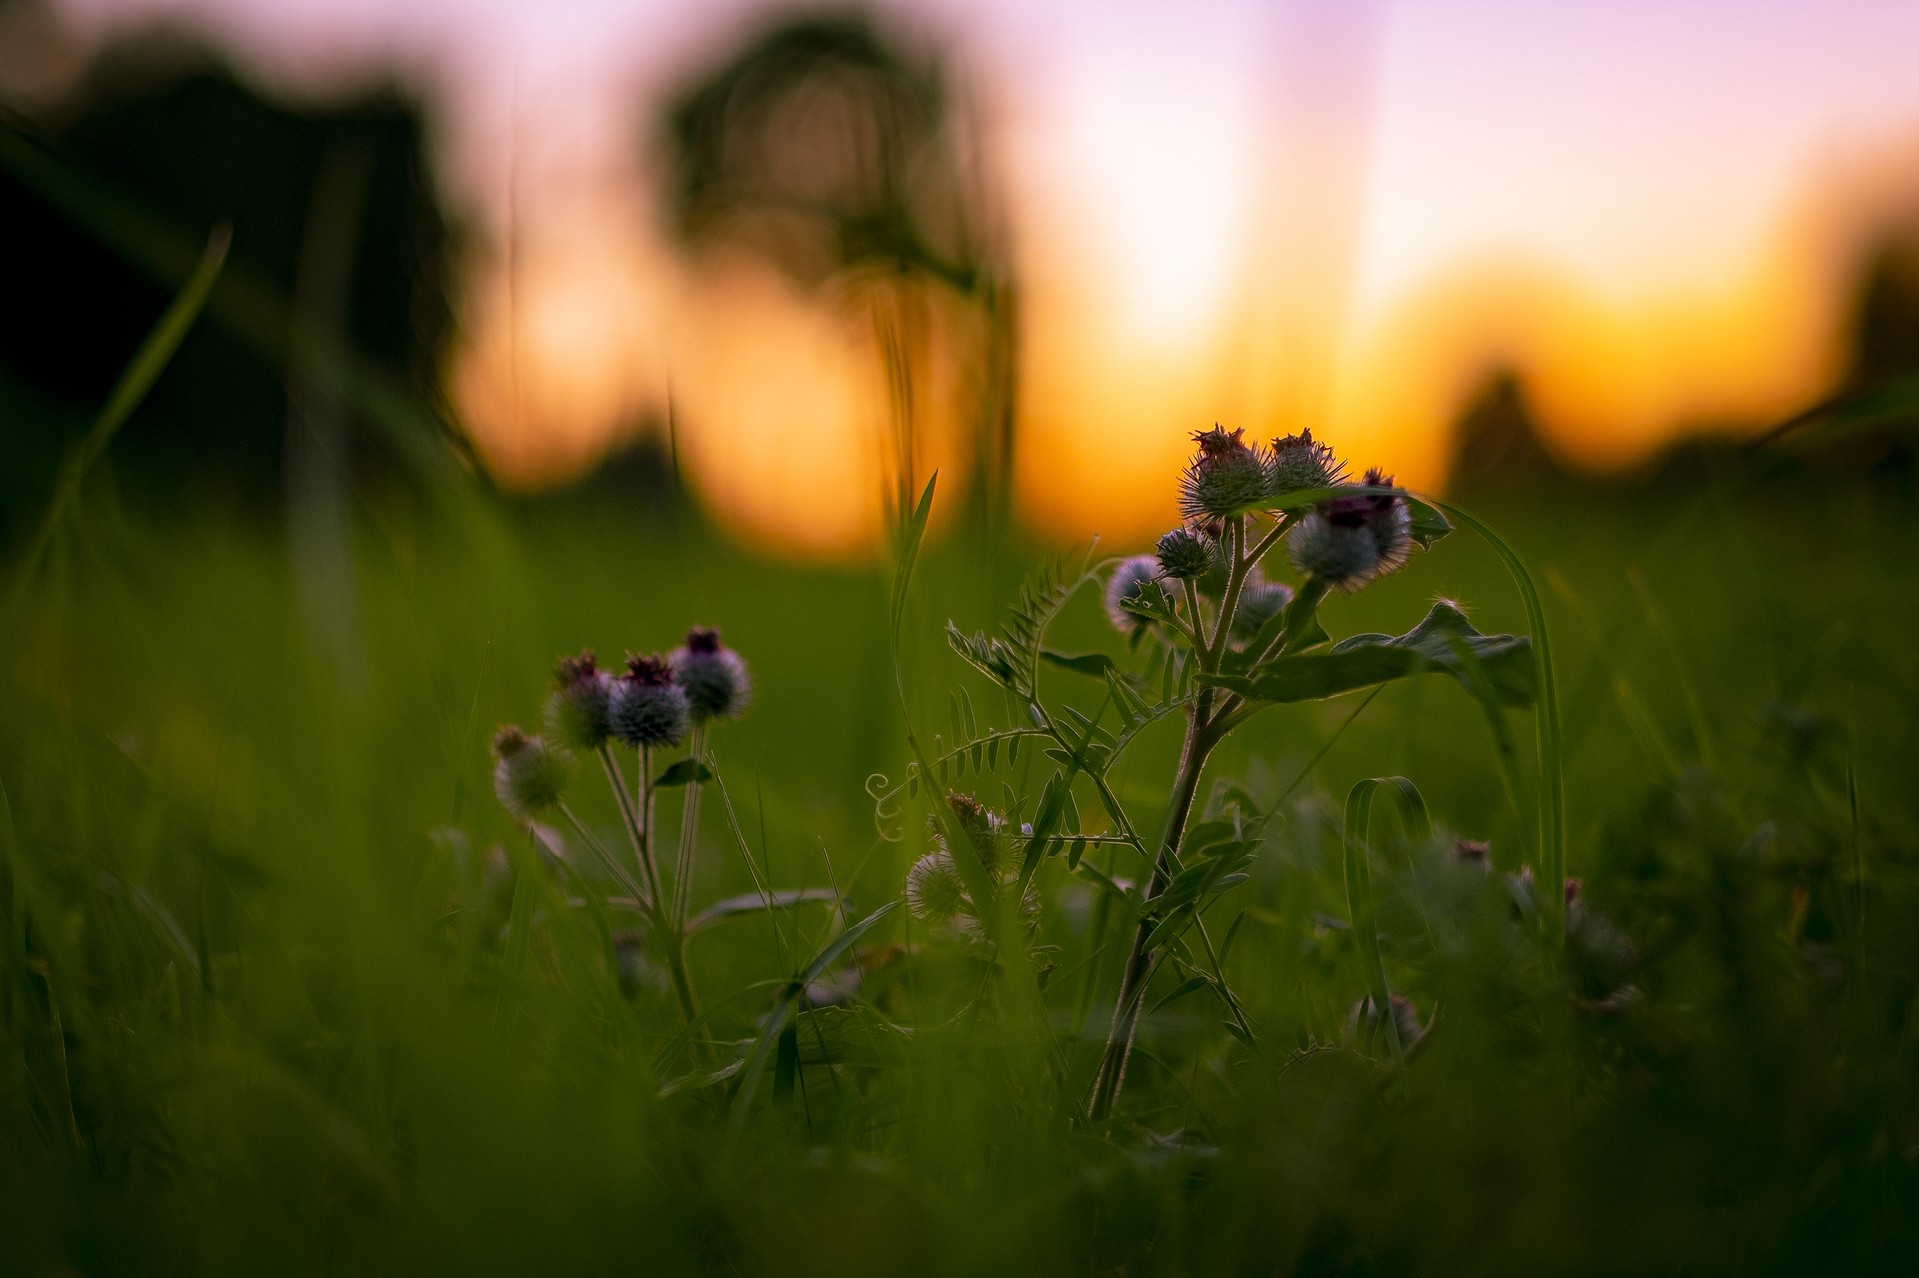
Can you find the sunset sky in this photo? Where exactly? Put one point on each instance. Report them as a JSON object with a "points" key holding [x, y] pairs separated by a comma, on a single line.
{"points": [[1337, 213]]}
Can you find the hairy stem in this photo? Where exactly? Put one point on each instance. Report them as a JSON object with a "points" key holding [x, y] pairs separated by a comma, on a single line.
{"points": [[635, 835], [1119, 1040], [636, 814]]}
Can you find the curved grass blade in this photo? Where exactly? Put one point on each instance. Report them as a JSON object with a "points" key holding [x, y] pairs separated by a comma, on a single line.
{"points": [[148, 362], [1551, 736], [1359, 884], [778, 1020]]}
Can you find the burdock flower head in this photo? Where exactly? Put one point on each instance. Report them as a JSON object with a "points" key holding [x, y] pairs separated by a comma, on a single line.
{"points": [[715, 679], [1347, 541], [576, 713], [1300, 462], [935, 893], [1225, 477], [530, 774], [648, 708], [1260, 601], [1183, 555], [1134, 580]]}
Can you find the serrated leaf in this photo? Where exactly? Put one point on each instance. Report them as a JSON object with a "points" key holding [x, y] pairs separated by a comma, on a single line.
{"points": [[1505, 661]]}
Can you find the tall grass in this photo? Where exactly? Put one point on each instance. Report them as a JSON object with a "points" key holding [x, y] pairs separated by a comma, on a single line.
{"points": [[285, 989]]}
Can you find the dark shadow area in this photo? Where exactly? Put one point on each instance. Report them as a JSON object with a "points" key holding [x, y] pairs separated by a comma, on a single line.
{"points": [[1869, 424], [333, 209]]}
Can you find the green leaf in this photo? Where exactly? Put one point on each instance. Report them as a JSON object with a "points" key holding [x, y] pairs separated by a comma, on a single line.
{"points": [[1095, 664], [685, 772], [843, 942], [1429, 524], [1505, 662], [1179, 991]]}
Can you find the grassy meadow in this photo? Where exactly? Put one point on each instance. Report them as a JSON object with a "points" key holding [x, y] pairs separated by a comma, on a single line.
{"points": [[286, 989]]}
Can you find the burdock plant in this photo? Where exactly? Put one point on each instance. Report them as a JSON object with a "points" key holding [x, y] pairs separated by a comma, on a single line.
{"points": [[657, 703], [1218, 641]]}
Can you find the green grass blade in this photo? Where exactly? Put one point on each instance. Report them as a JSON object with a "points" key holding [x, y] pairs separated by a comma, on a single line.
{"points": [[1552, 751], [148, 362]]}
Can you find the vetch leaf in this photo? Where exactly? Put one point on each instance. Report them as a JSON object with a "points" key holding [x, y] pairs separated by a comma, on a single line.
{"points": [[685, 772], [1095, 664]]}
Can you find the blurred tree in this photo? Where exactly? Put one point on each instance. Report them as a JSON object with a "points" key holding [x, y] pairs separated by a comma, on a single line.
{"points": [[835, 152], [1496, 441], [333, 212]]}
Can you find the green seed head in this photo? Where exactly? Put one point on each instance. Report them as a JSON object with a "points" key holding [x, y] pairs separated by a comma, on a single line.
{"points": [[715, 679], [529, 774], [1300, 462], [1225, 477], [1183, 556], [648, 708], [934, 891]]}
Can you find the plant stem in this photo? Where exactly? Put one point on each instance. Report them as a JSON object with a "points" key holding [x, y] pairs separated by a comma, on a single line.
{"points": [[675, 942], [638, 820], [689, 831], [634, 833], [1119, 1040]]}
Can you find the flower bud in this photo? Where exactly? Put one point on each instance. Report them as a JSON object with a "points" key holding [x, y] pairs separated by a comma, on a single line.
{"points": [[1347, 541], [986, 830], [1367, 1026], [648, 708], [1260, 601], [935, 892], [1134, 580], [530, 775], [637, 974], [1212, 582], [715, 679], [576, 713], [1473, 853], [1300, 462], [1183, 556], [1225, 477]]}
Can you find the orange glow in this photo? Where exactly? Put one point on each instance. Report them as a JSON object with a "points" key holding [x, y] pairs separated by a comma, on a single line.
{"points": [[1329, 213], [563, 359]]}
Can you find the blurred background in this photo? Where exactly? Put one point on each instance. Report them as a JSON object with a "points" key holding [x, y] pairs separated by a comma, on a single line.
{"points": [[786, 261]]}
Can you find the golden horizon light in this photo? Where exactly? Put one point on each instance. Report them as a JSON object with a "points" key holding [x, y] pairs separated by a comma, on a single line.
{"points": [[1343, 215]]}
